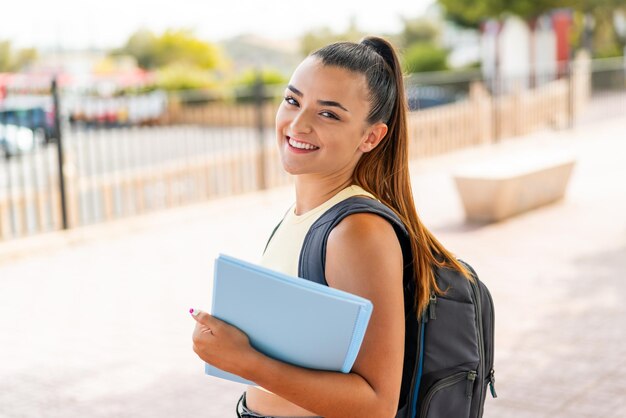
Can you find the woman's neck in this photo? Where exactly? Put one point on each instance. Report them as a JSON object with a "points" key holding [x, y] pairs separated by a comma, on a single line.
{"points": [[312, 192]]}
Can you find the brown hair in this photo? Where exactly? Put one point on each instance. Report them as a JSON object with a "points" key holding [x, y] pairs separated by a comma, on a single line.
{"points": [[384, 171]]}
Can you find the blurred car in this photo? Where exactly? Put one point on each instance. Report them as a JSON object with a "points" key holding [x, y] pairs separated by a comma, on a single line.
{"points": [[16, 140], [424, 97], [30, 111]]}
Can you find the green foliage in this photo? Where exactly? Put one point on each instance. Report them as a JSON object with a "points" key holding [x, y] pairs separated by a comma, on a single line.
{"points": [[181, 46], [173, 46], [181, 61], [143, 46], [530, 9], [467, 12], [419, 30], [472, 12], [593, 5], [244, 86], [268, 77], [182, 76], [15, 60], [423, 57], [606, 42], [475, 65], [5, 55], [608, 51], [25, 57]]}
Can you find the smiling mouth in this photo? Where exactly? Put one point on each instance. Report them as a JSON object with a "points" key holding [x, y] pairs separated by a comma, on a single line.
{"points": [[301, 145]]}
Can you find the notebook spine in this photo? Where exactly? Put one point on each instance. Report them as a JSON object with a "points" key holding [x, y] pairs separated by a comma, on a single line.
{"points": [[358, 334], [216, 269]]}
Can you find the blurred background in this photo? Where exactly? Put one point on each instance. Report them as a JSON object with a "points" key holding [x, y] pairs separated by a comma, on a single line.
{"points": [[164, 110], [137, 141]]}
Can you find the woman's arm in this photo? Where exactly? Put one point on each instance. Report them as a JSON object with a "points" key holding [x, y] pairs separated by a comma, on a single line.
{"points": [[364, 258]]}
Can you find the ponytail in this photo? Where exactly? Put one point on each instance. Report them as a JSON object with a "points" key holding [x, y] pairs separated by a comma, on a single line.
{"points": [[384, 171]]}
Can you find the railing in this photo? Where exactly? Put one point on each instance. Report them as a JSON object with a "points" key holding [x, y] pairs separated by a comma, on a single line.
{"points": [[115, 167]]}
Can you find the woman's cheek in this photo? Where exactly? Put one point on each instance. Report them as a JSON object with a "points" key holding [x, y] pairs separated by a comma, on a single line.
{"points": [[280, 117]]}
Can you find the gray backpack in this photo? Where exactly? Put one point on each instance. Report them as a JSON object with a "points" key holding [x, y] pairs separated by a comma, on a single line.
{"points": [[448, 355]]}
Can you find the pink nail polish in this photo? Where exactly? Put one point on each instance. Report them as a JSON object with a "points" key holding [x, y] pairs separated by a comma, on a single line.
{"points": [[191, 311]]}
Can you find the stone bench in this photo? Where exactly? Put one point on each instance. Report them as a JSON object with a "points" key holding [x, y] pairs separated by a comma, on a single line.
{"points": [[507, 186]]}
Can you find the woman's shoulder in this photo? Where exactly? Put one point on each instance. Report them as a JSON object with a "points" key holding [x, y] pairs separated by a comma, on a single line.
{"points": [[361, 248], [364, 230]]}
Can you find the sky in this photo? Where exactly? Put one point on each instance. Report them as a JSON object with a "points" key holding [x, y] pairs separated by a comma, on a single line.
{"points": [[80, 24]]}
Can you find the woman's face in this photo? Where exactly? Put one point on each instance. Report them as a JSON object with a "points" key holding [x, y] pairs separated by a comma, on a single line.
{"points": [[321, 124]]}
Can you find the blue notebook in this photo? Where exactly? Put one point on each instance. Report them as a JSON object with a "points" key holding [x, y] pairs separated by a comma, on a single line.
{"points": [[288, 318]]}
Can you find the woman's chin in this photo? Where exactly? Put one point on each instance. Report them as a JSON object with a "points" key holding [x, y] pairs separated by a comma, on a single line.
{"points": [[289, 169]]}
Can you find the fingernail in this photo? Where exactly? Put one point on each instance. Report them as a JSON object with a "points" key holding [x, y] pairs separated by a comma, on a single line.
{"points": [[194, 312]]}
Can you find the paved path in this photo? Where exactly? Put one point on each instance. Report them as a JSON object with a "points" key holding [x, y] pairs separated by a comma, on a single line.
{"points": [[94, 322]]}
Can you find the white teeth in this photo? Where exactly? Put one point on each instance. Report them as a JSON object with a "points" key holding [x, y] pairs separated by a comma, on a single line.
{"points": [[300, 145]]}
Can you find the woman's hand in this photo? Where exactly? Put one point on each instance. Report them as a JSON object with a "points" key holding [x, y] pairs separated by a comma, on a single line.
{"points": [[220, 344]]}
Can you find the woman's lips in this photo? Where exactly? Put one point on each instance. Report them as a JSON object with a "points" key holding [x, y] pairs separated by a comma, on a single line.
{"points": [[298, 145]]}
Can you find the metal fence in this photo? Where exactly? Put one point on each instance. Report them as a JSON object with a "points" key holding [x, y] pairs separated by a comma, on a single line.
{"points": [[89, 160], [122, 156]]}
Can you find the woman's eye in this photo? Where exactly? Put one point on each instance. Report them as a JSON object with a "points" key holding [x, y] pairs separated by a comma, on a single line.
{"points": [[329, 115], [291, 101]]}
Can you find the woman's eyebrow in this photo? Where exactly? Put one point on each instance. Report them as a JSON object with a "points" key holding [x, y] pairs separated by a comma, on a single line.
{"points": [[322, 102], [295, 90], [332, 103]]}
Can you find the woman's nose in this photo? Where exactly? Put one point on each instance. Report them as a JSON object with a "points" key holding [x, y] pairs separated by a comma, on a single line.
{"points": [[300, 123]]}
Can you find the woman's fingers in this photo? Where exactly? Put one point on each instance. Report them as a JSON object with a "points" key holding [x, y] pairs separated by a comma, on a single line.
{"points": [[204, 318], [219, 343]]}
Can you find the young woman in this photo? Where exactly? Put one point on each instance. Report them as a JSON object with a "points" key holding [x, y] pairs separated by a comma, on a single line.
{"points": [[341, 131]]}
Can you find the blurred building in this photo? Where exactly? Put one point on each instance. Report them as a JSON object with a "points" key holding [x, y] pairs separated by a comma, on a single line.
{"points": [[463, 44], [520, 55]]}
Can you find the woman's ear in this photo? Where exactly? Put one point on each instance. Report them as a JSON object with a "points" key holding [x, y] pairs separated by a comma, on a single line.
{"points": [[373, 136]]}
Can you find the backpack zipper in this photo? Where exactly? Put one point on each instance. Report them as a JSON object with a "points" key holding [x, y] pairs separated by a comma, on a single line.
{"points": [[471, 377], [481, 344], [444, 383], [492, 378], [492, 384], [432, 306]]}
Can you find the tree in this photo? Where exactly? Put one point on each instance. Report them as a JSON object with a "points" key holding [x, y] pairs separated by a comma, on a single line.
{"points": [[269, 76], [180, 46], [605, 41], [419, 30], [605, 38], [183, 76], [5, 55], [143, 46], [172, 47], [15, 60], [471, 13], [421, 57], [24, 57]]}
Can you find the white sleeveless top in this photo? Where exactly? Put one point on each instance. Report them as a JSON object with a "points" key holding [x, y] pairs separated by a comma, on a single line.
{"points": [[283, 252]]}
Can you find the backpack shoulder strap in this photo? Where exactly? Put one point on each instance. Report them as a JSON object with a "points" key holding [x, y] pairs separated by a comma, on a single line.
{"points": [[275, 229], [312, 260], [272, 235], [312, 264]]}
